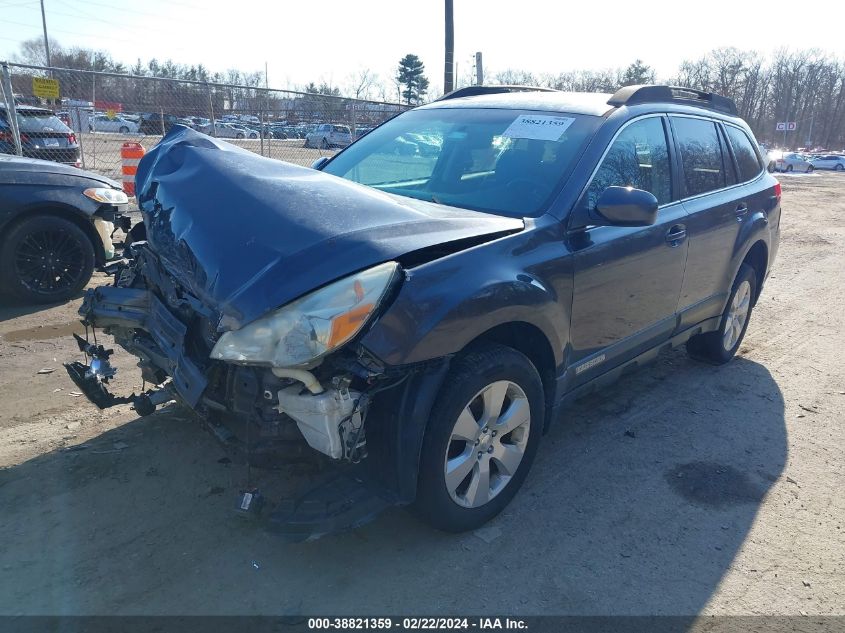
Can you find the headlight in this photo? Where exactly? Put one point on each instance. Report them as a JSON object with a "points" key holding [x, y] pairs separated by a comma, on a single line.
{"points": [[303, 331], [107, 196]]}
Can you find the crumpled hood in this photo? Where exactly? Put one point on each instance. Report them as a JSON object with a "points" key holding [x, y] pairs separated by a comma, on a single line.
{"points": [[247, 234]]}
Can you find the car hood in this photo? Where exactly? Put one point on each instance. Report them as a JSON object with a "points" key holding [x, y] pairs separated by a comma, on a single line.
{"points": [[20, 170], [247, 234]]}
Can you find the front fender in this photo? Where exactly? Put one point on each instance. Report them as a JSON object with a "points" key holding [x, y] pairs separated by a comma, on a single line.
{"points": [[446, 304]]}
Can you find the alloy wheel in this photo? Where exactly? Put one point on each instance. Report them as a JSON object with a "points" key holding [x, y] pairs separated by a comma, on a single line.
{"points": [[737, 315], [487, 444], [49, 261]]}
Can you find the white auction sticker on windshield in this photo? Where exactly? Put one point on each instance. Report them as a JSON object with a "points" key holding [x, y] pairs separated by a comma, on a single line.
{"points": [[538, 127]]}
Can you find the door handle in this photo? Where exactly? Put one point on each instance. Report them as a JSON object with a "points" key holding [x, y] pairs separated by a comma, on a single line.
{"points": [[676, 234], [741, 211]]}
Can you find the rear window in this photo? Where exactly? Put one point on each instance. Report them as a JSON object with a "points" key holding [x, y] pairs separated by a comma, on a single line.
{"points": [[40, 121], [342, 129], [746, 157], [701, 155]]}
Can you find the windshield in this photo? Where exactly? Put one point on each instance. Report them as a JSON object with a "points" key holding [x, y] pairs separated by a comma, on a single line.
{"points": [[503, 161]]}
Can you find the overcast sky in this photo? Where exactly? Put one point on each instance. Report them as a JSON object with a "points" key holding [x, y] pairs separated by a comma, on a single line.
{"points": [[330, 39]]}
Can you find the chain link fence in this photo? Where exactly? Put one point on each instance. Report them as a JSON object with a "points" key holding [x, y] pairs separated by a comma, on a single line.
{"points": [[95, 113]]}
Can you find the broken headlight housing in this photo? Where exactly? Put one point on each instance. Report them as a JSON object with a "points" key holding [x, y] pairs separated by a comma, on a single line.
{"points": [[303, 331]]}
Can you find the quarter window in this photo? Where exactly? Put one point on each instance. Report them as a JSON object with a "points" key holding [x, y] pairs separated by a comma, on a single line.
{"points": [[746, 157], [701, 155], [639, 158]]}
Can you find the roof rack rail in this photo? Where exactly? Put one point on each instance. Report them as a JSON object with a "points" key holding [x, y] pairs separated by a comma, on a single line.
{"points": [[473, 91], [631, 95]]}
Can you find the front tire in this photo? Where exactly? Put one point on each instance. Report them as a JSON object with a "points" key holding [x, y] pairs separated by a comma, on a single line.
{"points": [[720, 346], [124, 130], [45, 259], [325, 144], [481, 439], [839, 168]]}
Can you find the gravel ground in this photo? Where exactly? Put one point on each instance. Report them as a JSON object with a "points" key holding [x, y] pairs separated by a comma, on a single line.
{"points": [[684, 489]]}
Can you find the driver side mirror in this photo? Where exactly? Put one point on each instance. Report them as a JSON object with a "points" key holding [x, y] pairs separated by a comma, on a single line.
{"points": [[625, 206]]}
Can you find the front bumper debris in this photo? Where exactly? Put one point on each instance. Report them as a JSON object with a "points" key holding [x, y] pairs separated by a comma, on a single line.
{"points": [[131, 308], [268, 419]]}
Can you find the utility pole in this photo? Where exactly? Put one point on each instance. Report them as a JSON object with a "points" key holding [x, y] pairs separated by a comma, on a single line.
{"points": [[479, 71], [810, 133], [46, 42], [448, 70]]}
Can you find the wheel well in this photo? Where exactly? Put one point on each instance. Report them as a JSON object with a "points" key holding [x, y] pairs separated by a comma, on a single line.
{"points": [[530, 341], [83, 223], [758, 259]]}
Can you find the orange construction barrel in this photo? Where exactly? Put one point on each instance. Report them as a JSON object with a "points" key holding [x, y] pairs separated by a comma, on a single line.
{"points": [[130, 156]]}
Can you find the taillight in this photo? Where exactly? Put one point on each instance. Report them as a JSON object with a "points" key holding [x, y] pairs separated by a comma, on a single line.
{"points": [[24, 138], [6, 137], [71, 139], [777, 190]]}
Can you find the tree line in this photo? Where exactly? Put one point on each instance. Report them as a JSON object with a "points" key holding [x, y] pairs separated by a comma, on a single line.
{"points": [[804, 86]]}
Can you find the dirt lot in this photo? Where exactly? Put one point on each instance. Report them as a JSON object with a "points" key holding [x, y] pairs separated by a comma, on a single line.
{"points": [[684, 489]]}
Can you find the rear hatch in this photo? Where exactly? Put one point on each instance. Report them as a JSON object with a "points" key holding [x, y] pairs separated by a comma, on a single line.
{"points": [[41, 129]]}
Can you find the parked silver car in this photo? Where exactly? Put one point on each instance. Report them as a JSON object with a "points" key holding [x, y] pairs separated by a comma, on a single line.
{"points": [[829, 161], [791, 161], [327, 135], [229, 130], [117, 123]]}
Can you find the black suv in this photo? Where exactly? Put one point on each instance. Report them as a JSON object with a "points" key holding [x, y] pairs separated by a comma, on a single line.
{"points": [[421, 319], [156, 122]]}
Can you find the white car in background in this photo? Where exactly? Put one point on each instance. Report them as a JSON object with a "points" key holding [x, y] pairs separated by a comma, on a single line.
{"points": [[790, 161], [327, 135], [229, 130], [117, 123], [829, 161]]}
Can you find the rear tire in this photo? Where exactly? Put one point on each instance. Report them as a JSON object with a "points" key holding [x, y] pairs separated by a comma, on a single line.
{"points": [[788, 168], [720, 346], [45, 259], [325, 144], [839, 168], [488, 418]]}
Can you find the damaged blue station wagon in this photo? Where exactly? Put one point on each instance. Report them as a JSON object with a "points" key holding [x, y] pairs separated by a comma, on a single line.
{"points": [[420, 317]]}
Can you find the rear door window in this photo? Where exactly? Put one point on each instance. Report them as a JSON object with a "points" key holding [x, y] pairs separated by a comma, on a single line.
{"points": [[701, 155], [639, 158], [746, 157]]}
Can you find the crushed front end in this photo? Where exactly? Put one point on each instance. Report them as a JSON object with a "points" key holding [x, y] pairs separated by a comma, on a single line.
{"points": [[247, 298]]}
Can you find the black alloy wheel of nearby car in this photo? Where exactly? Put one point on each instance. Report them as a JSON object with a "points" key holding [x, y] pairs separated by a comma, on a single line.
{"points": [[45, 259]]}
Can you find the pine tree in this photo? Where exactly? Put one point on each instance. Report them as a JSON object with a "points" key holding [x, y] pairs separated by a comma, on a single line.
{"points": [[411, 75], [638, 73]]}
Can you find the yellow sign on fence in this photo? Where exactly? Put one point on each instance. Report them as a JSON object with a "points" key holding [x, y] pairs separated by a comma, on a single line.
{"points": [[45, 88]]}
